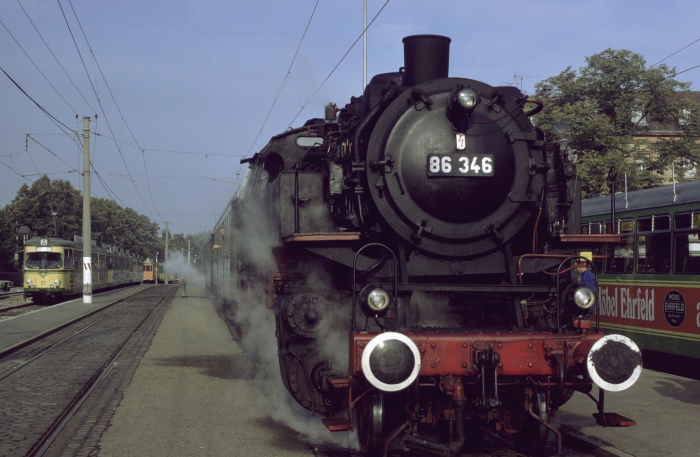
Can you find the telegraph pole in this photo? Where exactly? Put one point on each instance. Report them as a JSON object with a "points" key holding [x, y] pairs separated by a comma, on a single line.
{"points": [[87, 227]]}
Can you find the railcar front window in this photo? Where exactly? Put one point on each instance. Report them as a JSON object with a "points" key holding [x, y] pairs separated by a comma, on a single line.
{"points": [[44, 260]]}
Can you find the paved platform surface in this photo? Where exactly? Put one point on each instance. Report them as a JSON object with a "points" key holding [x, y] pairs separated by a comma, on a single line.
{"points": [[196, 394], [665, 407]]}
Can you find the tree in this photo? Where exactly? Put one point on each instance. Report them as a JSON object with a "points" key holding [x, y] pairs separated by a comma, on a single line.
{"points": [[35, 207], [8, 242], [595, 111], [684, 149], [51, 208]]}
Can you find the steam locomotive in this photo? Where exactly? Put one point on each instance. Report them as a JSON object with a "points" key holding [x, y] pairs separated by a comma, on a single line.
{"points": [[417, 248]]}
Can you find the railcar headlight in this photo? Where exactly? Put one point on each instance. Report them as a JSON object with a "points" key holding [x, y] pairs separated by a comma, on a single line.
{"points": [[29, 282], [57, 282], [584, 298], [375, 298], [467, 99]]}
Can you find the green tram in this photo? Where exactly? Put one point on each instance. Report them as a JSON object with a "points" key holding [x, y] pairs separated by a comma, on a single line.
{"points": [[649, 284], [53, 268]]}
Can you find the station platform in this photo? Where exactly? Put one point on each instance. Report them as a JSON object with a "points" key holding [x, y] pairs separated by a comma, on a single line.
{"points": [[665, 407], [196, 393]]}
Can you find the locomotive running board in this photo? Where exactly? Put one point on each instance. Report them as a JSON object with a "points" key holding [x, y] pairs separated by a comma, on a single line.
{"points": [[337, 424], [608, 419], [609, 238], [613, 420], [320, 237]]}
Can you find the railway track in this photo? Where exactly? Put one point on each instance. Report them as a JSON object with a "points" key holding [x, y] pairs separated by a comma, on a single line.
{"points": [[61, 387]]}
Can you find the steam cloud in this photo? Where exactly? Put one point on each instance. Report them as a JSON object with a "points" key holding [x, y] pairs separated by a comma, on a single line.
{"points": [[257, 335], [178, 266]]}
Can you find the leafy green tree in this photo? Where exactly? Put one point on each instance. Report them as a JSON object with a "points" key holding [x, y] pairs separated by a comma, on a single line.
{"points": [[595, 112], [51, 208], [8, 241], [684, 149], [35, 207]]}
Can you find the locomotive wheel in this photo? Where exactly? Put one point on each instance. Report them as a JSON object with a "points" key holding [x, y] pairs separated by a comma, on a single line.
{"points": [[370, 424], [533, 436]]}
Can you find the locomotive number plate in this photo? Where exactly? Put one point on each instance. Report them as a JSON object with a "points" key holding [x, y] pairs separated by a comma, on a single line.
{"points": [[460, 165]]}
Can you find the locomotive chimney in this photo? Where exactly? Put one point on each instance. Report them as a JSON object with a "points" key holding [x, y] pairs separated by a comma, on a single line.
{"points": [[425, 57]]}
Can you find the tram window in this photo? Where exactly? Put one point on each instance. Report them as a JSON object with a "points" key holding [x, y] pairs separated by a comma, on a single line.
{"points": [[683, 221], [594, 228], [662, 223], [654, 253], [622, 260], [654, 244], [687, 253], [644, 224]]}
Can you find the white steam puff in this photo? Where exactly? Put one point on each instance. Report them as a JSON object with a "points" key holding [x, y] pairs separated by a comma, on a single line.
{"points": [[178, 266], [256, 322]]}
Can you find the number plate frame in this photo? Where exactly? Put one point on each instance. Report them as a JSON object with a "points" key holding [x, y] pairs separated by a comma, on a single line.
{"points": [[458, 165]]}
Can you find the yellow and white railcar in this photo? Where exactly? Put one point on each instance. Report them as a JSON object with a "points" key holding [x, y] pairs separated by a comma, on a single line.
{"points": [[53, 268]]}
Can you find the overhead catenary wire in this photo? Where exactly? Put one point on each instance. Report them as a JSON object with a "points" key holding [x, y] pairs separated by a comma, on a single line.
{"points": [[288, 74], [681, 49], [99, 101], [36, 66], [34, 159], [52, 117], [338, 64]]}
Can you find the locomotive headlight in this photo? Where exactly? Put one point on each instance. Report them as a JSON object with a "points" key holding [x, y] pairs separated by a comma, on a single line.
{"points": [[29, 282], [378, 300], [467, 99], [460, 104], [584, 298], [57, 282]]}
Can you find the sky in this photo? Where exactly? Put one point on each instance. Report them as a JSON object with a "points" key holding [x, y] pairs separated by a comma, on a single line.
{"points": [[179, 91]]}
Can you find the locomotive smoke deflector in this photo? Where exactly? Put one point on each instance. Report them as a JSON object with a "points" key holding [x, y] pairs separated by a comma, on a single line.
{"points": [[425, 57]]}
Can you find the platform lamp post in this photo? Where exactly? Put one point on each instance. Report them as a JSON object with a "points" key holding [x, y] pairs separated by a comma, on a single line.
{"points": [[155, 269]]}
